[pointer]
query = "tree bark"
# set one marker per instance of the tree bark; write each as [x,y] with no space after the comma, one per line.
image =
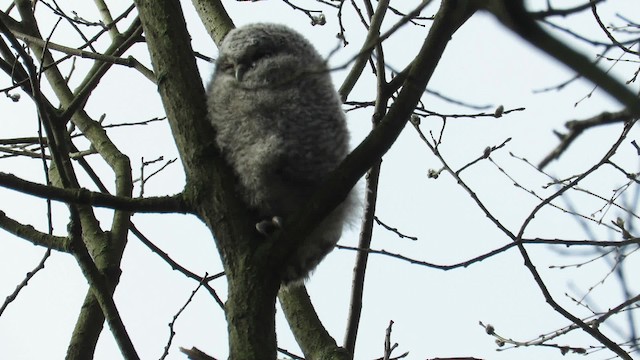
[253,285]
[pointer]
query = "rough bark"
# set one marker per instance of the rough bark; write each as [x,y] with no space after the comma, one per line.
[250,307]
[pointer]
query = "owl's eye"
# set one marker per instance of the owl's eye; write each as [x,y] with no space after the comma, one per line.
[257,56]
[262,54]
[226,67]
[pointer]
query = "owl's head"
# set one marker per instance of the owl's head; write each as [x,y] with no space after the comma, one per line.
[266,54]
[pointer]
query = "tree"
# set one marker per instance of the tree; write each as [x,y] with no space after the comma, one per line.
[67,137]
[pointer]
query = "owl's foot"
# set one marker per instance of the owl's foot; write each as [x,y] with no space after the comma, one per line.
[269,226]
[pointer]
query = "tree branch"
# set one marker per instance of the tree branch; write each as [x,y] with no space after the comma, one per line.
[165,204]
[250,307]
[513,15]
[214,17]
[373,176]
[593,331]
[577,127]
[313,338]
[24,282]
[372,39]
[28,232]
[102,288]
[32,40]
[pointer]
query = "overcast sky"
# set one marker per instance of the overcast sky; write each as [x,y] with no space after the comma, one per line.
[436,313]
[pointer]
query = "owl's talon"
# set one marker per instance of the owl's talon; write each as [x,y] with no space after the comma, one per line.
[269,226]
[277,222]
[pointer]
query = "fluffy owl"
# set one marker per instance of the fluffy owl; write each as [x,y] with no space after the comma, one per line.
[280,125]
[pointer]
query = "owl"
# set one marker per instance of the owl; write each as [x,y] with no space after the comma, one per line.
[280,125]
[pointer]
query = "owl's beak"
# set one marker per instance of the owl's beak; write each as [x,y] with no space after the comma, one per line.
[240,69]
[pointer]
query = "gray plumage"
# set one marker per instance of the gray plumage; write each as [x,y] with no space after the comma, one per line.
[280,125]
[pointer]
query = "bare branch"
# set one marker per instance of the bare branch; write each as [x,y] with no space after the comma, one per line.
[513,15]
[538,15]
[100,288]
[172,332]
[175,203]
[577,127]
[614,41]
[312,337]
[611,345]
[491,254]
[175,266]
[24,282]
[27,232]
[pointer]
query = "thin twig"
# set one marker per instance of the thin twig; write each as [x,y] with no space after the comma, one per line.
[25,282]
[172,331]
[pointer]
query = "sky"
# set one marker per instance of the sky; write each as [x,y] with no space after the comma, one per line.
[435,313]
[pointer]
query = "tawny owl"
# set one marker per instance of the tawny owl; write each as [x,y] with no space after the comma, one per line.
[280,125]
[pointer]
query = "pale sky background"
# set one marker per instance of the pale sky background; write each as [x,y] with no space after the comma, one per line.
[436,313]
